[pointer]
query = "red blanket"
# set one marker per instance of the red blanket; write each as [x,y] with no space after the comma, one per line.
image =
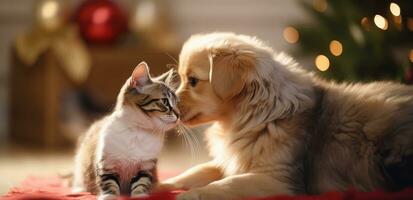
[54,188]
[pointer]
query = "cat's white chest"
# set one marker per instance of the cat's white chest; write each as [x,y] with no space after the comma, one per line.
[132,146]
[124,147]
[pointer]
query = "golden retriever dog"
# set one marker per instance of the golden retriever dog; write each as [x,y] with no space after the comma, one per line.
[278,129]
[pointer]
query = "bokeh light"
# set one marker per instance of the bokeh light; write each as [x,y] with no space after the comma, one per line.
[336,48]
[381,22]
[357,33]
[395,9]
[365,23]
[291,34]
[49,9]
[145,15]
[320,5]
[101,15]
[322,63]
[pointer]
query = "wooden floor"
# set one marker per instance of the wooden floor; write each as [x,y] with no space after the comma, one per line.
[17,162]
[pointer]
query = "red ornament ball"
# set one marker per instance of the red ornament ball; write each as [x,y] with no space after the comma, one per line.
[100,21]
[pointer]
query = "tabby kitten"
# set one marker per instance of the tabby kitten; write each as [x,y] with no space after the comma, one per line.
[118,154]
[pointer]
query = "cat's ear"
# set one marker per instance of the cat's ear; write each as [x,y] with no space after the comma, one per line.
[170,78]
[140,75]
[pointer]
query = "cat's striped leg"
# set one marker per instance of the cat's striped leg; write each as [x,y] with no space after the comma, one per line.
[141,184]
[109,186]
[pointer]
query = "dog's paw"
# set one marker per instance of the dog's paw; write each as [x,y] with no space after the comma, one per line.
[201,194]
[107,197]
[190,195]
[162,187]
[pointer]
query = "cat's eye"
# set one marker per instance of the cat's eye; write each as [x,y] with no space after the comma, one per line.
[193,81]
[164,101]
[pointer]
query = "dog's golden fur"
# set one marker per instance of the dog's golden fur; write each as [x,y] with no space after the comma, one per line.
[280,130]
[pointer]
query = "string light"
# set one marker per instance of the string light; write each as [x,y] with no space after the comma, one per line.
[322,63]
[395,9]
[336,48]
[380,22]
[320,5]
[411,56]
[291,34]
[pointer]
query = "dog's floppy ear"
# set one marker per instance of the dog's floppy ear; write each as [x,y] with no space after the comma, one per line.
[230,70]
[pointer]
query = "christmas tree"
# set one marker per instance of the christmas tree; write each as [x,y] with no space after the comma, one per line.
[357,40]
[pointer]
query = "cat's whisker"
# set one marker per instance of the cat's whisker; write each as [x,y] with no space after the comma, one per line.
[195,136]
[192,140]
[164,129]
[185,139]
[181,133]
[173,58]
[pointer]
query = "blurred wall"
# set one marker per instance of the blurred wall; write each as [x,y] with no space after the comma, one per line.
[264,18]
[15,16]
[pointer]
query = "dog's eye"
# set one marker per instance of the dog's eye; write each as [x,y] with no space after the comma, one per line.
[193,81]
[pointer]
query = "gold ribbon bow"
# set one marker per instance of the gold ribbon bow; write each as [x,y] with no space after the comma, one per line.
[51,33]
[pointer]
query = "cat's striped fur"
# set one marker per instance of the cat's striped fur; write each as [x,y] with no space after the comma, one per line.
[117,156]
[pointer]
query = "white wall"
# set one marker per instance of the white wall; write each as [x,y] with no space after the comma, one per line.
[263,18]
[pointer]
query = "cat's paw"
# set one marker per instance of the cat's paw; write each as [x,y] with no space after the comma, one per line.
[139,192]
[142,186]
[107,197]
[139,195]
